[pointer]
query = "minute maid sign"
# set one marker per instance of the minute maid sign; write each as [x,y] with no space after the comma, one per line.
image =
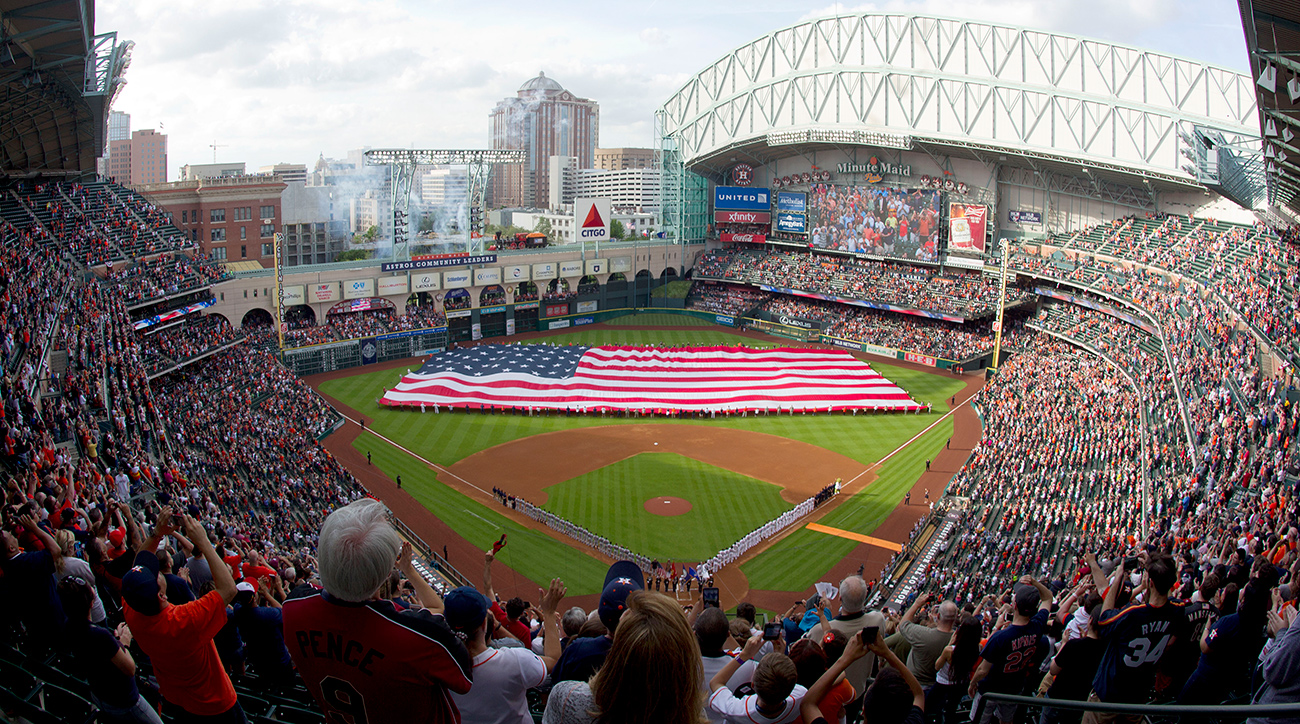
[876,170]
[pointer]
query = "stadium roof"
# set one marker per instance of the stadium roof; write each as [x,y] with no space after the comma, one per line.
[1273,38]
[1014,95]
[57,81]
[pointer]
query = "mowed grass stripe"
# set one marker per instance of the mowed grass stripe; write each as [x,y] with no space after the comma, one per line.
[611,502]
[532,553]
[658,319]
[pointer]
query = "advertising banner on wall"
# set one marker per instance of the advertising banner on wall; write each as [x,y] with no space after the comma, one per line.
[392,285]
[515,273]
[438,261]
[484,277]
[570,268]
[557,310]
[792,223]
[1024,217]
[966,225]
[459,279]
[293,295]
[620,264]
[358,288]
[327,292]
[369,351]
[544,271]
[747,238]
[591,219]
[431,282]
[597,266]
[742,199]
[919,358]
[742,217]
[585,307]
[792,201]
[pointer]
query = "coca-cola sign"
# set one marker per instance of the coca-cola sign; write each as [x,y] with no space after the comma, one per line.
[747,238]
[742,217]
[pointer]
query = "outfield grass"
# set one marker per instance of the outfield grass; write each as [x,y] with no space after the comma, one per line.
[658,319]
[447,438]
[610,502]
[795,562]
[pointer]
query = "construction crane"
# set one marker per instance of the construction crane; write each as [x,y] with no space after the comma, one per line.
[214,146]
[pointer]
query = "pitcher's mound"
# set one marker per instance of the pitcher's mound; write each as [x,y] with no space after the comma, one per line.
[667,506]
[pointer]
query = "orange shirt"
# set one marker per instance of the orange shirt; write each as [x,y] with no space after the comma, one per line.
[833,703]
[185,661]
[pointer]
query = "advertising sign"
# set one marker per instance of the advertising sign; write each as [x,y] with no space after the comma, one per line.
[544,271]
[499,309]
[742,217]
[793,223]
[476,331]
[792,201]
[510,327]
[459,279]
[591,218]
[725,319]
[426,282]
[966,223]
[742,199]
[1025,217]
[515,273]
[570,268]
[392,285]
[293,295]
[620,264]
[526,305]
[358,288]
[327,292]
[486,276]
[789,321]
[557,324]
[557,310]
[458,313]
[882,351]
[436,262]
[597,266]
[579,321]
[874,171]
[591,306]
[919,358]
[748,238]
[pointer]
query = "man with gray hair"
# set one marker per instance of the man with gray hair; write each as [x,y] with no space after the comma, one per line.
[852,619]
[362,659]
[927,643]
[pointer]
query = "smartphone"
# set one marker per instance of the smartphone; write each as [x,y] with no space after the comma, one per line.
[710,596]
[868,635]
[771,631]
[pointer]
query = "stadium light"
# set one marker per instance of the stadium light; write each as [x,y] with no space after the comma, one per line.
[885,140]
[787,138]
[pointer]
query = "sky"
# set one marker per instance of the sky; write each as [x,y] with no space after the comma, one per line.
[271,81]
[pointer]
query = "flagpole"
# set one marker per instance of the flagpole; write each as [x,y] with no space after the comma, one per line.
[1002,305]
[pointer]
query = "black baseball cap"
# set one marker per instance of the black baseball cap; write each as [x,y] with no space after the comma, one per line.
[140,584]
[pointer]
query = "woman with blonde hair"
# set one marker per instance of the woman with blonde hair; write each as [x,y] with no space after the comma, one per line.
[651,675]
[70,565]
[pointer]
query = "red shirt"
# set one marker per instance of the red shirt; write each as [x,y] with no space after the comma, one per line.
[516,629]
[185,661]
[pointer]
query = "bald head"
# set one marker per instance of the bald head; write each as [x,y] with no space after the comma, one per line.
[947,615]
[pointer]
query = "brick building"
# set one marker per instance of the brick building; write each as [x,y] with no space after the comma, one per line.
[545,120]
[138,160]
[234,218]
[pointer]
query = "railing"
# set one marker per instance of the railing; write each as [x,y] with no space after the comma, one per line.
[425,550]
[1151,712]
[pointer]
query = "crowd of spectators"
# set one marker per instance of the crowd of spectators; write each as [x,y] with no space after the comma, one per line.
[903,223]
[353,325]
[730,299]
[184,341]
[969,295]
[163,276]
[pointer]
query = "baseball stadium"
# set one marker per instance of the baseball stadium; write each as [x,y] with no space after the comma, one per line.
[983,336]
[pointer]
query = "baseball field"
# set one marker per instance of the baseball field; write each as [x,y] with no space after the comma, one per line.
[678,490]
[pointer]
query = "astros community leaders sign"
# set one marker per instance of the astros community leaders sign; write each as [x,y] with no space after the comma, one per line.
[437,262]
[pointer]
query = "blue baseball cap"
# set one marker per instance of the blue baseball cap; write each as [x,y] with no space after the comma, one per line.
[140,584]
[623,578]
[465,608]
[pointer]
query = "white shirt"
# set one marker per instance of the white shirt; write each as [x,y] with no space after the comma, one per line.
[712,665]
[745,709]
[502,678]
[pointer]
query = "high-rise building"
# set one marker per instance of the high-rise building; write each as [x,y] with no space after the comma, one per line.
[119,126]
[140,159]
[545,120]
[288,172]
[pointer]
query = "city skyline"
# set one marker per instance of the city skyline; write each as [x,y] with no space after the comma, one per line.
[311,78]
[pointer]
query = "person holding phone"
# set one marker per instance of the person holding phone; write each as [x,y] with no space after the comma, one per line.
[896,697]
[1014,652]
[776,694]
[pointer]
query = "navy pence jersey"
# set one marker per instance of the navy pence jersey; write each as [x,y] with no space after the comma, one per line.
[1137,639]
[368,663]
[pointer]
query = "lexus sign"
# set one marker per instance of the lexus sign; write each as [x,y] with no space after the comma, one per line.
[742,217]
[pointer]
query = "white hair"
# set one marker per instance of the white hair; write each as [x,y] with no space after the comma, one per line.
[853,594]
[357,549]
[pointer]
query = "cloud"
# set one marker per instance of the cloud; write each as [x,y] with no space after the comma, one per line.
[653,36]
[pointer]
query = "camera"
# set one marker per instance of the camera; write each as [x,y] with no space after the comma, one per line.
[771,631]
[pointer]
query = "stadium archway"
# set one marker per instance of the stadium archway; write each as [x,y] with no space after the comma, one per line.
[642,284]
[588,285]
[257,318]
[558,289]
[299,316]
[492,312]
[420,299]
[492,295]
[525,292]
[458,303]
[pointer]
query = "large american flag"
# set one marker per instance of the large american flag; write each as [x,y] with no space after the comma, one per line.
[649,379]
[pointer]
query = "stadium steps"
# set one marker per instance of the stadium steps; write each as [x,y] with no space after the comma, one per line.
[94,217]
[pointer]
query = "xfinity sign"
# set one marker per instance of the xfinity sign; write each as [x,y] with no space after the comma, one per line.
[742,199]
[591,219]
